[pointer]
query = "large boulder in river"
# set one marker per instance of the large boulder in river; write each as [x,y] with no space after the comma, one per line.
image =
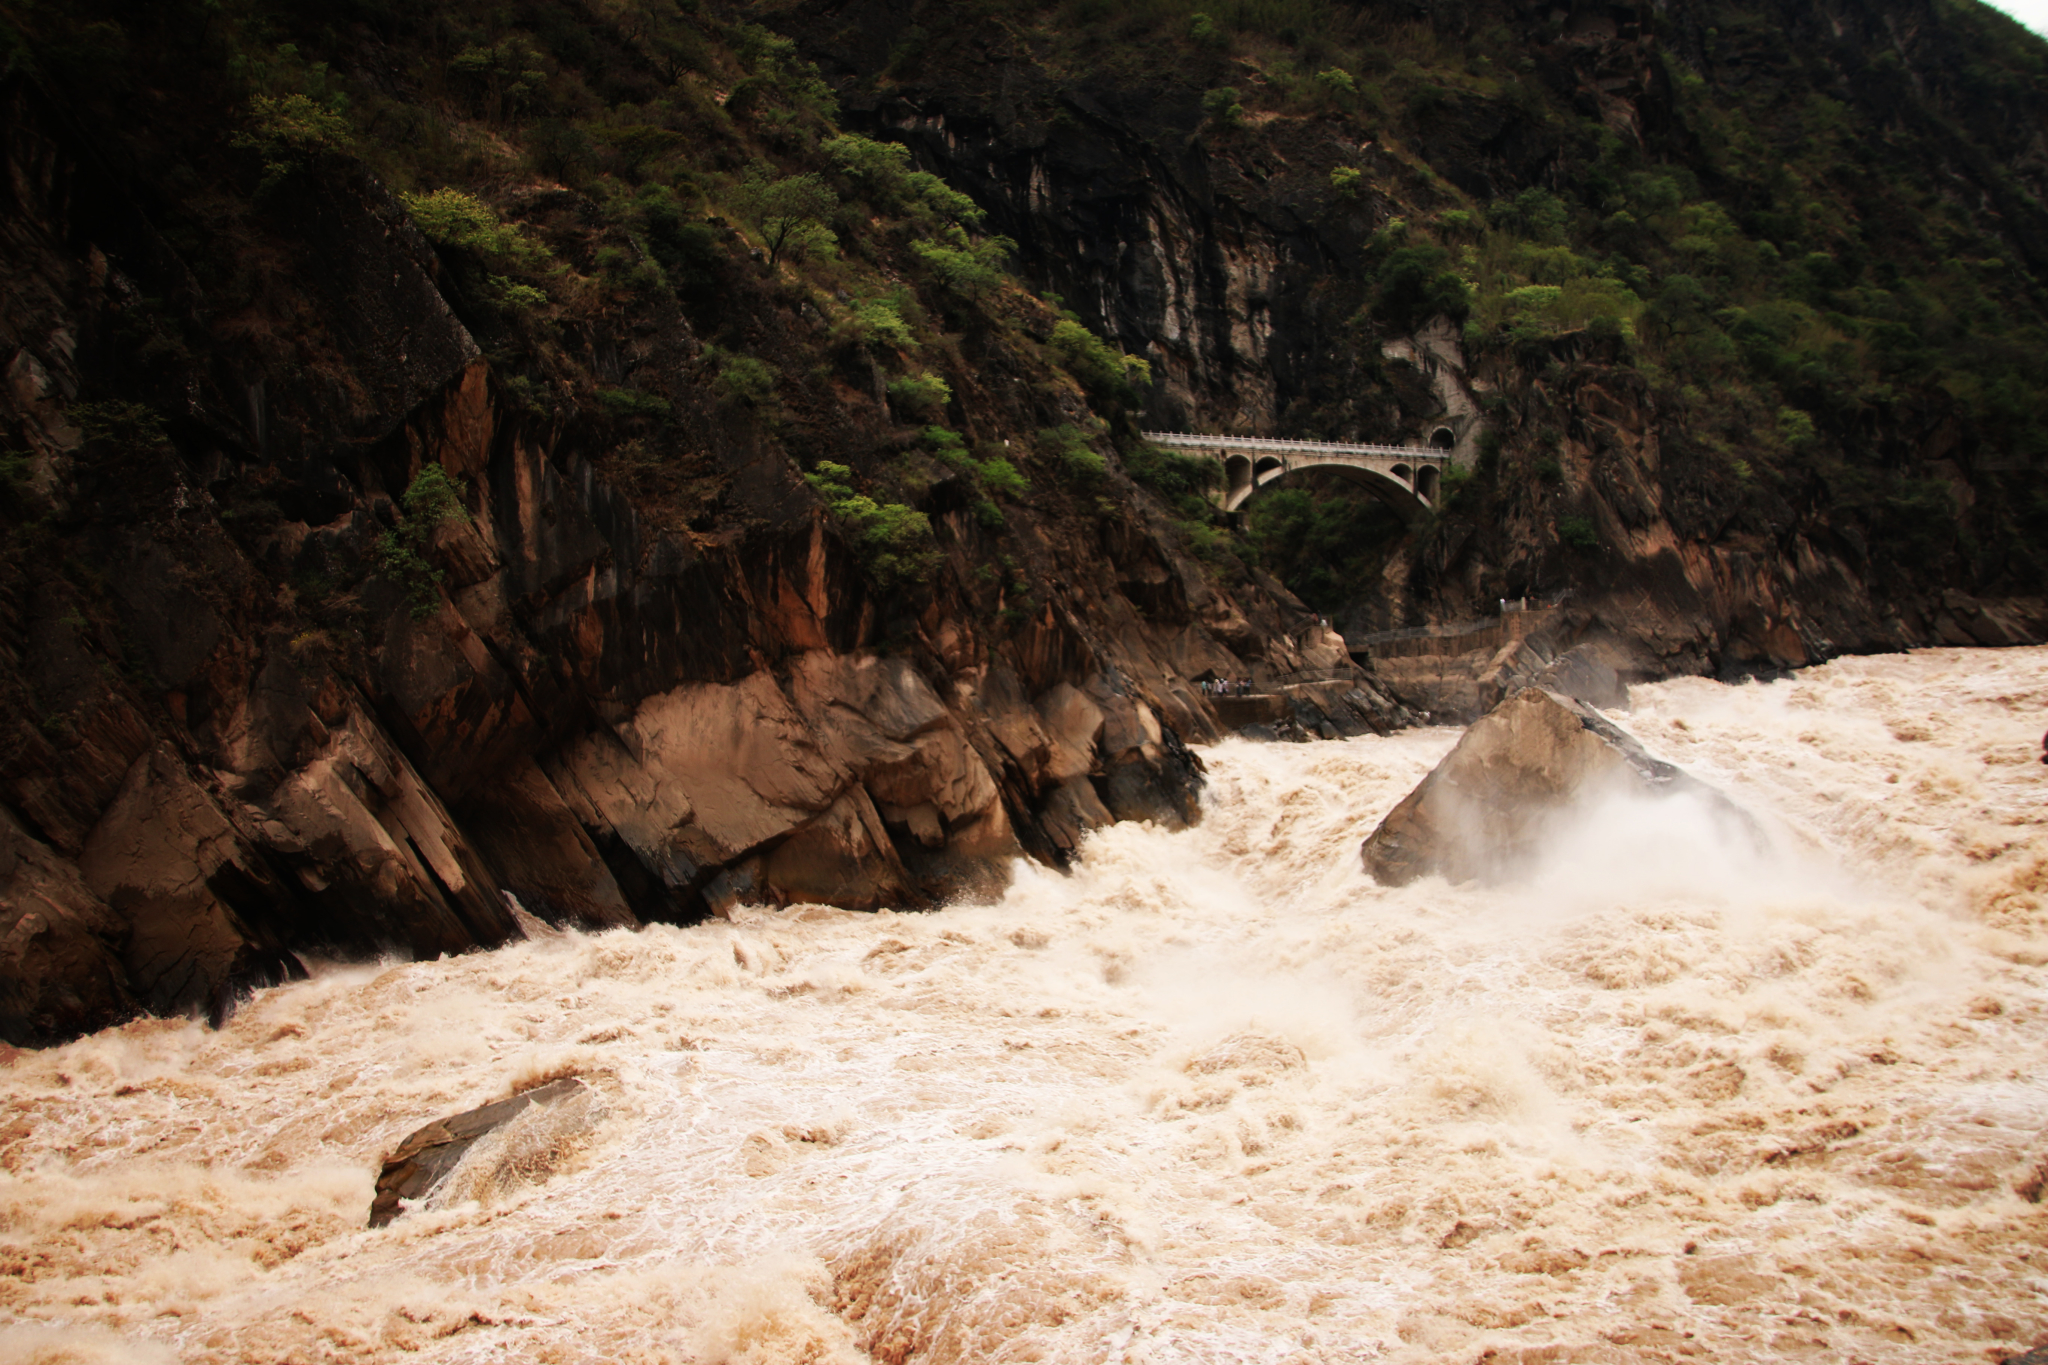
[1484,811]
[428,1157]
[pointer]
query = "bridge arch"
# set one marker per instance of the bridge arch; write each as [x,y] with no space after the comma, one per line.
[1400,494]
[1428,483]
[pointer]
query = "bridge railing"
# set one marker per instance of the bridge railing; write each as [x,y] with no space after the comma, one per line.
[1193,438]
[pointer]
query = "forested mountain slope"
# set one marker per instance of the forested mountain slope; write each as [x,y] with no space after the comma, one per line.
[1739,307]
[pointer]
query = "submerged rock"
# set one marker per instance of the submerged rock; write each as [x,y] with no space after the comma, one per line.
[1483,812]
[426,1158]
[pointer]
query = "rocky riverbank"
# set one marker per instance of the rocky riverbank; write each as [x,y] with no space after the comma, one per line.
[241,727]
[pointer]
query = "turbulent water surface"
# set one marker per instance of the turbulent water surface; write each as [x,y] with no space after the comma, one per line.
[1214,1097]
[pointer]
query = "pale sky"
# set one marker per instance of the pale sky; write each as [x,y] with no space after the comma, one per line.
[2032,13]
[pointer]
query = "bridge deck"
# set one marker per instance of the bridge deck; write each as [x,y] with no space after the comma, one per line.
[1286,447]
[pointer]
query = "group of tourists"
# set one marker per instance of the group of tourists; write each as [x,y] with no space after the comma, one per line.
[1226,687]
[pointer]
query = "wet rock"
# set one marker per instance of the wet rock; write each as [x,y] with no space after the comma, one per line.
[1258,709]
[941,770]
[1349,709]
[192,894]
[1579,673]
[60,964]
[379,858]
[1014,723]
[1163,789]
[844,857]
[543,853]
[1072,723]
[1071,812]
[702,775]
[424,1159]
[1484,811]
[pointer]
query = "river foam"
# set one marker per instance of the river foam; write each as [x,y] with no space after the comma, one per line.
[1213,1097]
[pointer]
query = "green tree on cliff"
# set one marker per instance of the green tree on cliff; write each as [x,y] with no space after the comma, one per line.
[789,211]
[430,500]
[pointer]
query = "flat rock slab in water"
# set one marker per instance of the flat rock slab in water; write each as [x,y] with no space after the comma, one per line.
[429,1154]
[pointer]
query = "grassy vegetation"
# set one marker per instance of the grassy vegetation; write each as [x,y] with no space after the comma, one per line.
[894,540]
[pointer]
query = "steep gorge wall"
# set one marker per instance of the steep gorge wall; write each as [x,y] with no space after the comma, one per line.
[1221,255]
[229,738]
[650,685]
[1693,570]
[1217,252]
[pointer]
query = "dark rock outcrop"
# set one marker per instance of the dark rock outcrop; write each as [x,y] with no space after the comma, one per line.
[1581,674]
[1484,811]
[60,961]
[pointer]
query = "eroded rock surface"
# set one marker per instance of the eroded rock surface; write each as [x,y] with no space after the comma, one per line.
[1484,811]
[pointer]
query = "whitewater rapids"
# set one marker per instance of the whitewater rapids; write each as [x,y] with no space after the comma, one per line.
[1215,1097]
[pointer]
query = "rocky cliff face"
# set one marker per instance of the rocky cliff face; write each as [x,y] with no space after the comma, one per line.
[235,733]
[1682,567]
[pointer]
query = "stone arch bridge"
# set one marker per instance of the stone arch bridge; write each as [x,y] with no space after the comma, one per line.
[1409,477]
